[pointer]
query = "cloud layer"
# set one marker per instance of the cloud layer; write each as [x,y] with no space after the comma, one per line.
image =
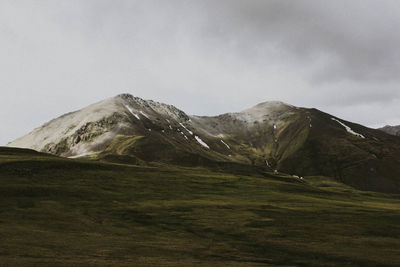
[205,57]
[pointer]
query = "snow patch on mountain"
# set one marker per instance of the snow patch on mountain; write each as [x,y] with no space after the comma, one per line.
[348,129]
[133,113]
[222,141]
[184,135]
[181,124]
[144,114]
[201,142]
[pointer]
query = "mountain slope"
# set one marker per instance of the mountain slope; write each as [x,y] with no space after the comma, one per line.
[393,130]
[271,135]
[366,159]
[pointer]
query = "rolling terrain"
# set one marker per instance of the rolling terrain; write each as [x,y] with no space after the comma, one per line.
[270,135]
[58,211]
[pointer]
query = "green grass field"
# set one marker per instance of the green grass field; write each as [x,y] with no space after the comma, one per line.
[68,212]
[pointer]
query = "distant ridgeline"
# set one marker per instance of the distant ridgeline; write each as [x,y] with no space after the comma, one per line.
[393,130]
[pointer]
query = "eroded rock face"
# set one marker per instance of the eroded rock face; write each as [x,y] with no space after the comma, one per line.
[84,137]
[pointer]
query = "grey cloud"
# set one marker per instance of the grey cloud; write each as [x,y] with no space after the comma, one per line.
[356,40]
[204,56]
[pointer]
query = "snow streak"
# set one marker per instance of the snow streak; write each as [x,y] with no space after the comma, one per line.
[348,129]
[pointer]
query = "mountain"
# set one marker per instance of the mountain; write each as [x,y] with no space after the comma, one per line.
[271,135]
[393,130]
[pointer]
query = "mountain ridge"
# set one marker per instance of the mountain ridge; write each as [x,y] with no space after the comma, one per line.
[272,135]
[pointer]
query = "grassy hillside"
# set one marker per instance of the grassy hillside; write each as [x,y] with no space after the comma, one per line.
[56,211]
[370,163]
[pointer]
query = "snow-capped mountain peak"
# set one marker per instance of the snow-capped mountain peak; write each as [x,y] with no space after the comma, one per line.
[298,140]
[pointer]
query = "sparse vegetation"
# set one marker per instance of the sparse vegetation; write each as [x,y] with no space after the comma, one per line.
[56,211]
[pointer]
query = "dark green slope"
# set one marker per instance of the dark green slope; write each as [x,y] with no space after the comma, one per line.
[370,163]
[306,142]
[63,212]
[309,142]
[19,153]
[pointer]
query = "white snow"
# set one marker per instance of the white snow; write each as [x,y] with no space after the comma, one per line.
[222,141]
[201,142]
[141,112]
[184,135]
[186,128]
[348,129]
[170,127]
[274,126]
[62,127]
[264,111]
[133,113]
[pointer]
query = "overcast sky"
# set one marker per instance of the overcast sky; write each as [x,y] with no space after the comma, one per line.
[205,57]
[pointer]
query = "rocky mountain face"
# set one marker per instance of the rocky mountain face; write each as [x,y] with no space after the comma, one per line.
[271,135]
[393,130]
